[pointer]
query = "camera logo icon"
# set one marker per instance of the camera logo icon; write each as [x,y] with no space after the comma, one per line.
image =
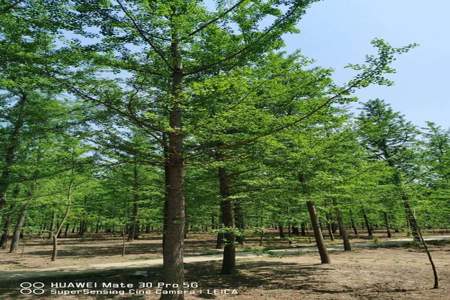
[28,288]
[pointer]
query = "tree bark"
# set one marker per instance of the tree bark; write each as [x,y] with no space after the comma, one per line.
[66,230]
[386,223]
[229,251]
[52,225]
[366,222]
[19,224]
[173,268]
[64,218]
[133,233]
[303,229]
[329,227]
[343,231]
[324,257]
[7,216]
[355,230]
[281,231]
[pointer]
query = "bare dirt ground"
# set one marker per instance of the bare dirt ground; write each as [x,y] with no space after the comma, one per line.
[396,273]
[35,254]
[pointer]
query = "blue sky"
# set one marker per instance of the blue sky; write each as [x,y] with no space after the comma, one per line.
[338,32]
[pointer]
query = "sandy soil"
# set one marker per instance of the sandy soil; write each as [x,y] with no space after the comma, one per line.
[35,254]
[362,274]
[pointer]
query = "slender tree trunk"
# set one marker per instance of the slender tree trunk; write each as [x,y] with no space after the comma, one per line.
[133,233]
[229,252]
[405,199]
[355,230]
[343,231]
[324,257]
[53,225]
[295,230]
[123,240]
[329,227]
[57,230]
[66,230]
[386,223]
[6,224]
[281,231]
[5,234]
[213,222]
[366,222]
[303,228]
[19,224]
[430,258]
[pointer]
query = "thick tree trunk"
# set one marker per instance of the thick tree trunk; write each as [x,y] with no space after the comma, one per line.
[173,268]
[367,223]
[386,223]
[229,252]
[324,257]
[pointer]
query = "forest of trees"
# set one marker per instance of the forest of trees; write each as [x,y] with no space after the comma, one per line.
[130,117]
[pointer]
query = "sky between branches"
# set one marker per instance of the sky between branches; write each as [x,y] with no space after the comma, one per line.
[337,32]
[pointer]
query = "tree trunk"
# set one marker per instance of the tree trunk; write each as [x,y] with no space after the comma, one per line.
[123,240]
[53,225]
[355,231]
[173,268]
[133,233]
[329,227]
[229,252]
[325,259]
[303,228]
[386,223]
[6,224]
[66,230]
[343,231]
[57,231]
[281,231]
[295,230]
[366,222]
[19,224]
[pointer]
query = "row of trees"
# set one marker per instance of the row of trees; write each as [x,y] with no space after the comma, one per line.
[176,115]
